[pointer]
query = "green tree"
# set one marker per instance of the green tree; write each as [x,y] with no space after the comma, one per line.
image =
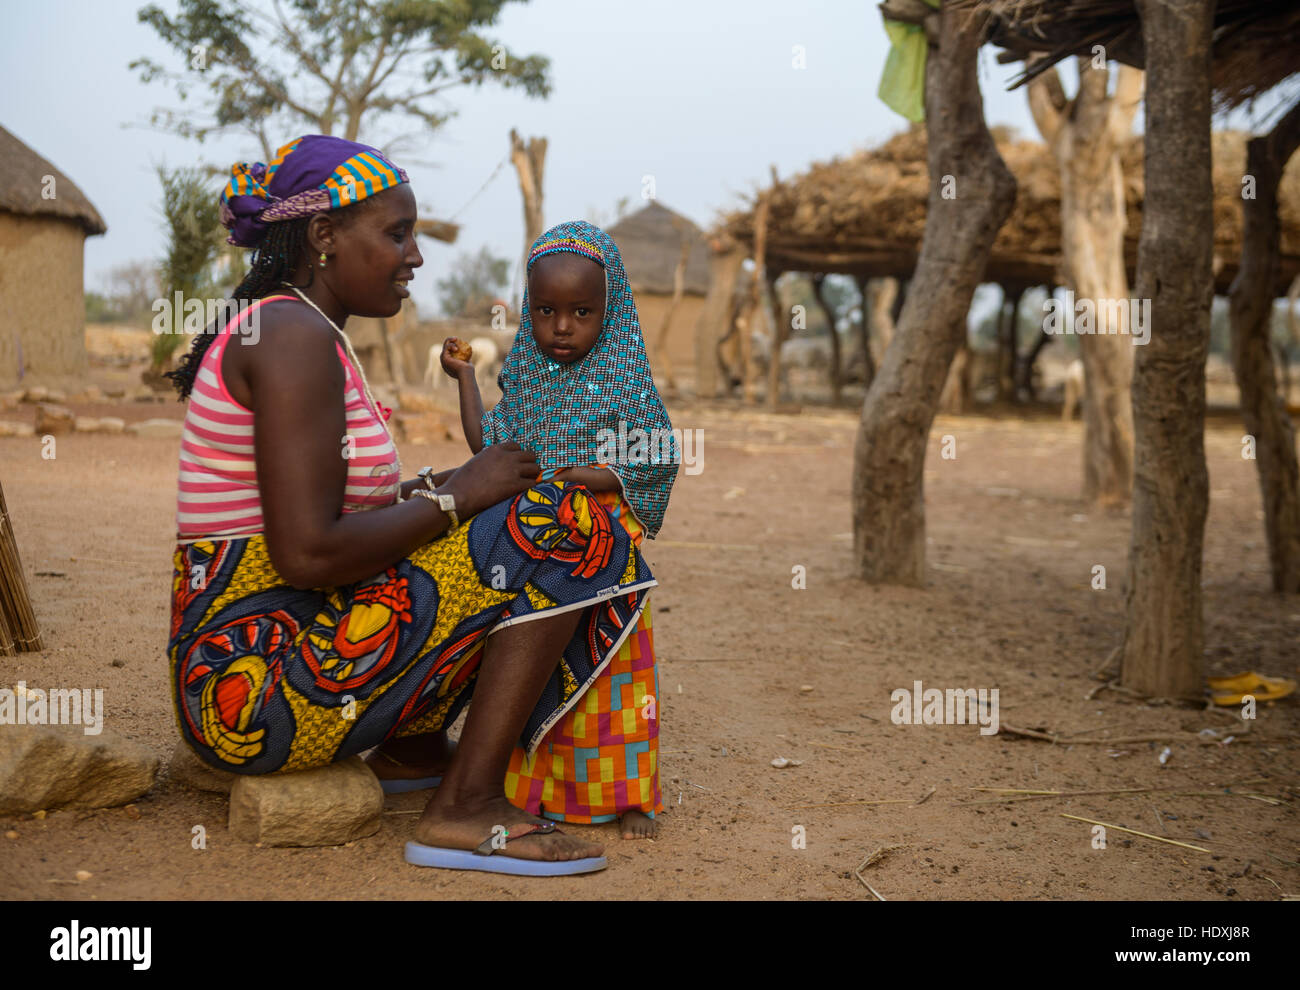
[473,284]
[194,243]
[273,69]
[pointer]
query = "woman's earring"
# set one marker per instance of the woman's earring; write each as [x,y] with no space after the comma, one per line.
[322,259]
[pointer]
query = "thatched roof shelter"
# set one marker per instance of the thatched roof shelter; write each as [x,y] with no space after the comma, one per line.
[22,180]
[1256,42]
[650,242]
[864,215]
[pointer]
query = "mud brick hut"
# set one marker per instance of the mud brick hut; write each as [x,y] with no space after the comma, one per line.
[44,222]
[651,242]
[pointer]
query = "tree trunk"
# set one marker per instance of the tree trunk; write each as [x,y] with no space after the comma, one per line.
[1086,135]
[780,331]
[1164,633]
[864,332]
[955,397]
[819,282]
[716,319]
[1026,380]
[886,296]
[529,161]
[1007,349]
[889,455]
[755,302]
[1250,310]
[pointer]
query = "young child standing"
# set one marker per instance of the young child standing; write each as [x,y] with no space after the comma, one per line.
[578,368]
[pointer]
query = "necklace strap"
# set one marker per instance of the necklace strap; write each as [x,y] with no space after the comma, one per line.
[365,384]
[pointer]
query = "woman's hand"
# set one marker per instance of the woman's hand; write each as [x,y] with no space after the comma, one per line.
[455,358]
[493,475]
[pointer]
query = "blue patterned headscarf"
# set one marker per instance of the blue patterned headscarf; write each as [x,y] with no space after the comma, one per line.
[556,409]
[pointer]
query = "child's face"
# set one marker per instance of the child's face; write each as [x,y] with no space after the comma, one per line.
[566,298]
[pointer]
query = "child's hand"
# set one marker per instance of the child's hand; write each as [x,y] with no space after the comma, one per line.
[455,357]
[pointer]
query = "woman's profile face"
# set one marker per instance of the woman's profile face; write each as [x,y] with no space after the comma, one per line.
[566,299]
[375,254]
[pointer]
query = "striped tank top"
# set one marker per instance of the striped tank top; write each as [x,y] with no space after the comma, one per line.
[217,492]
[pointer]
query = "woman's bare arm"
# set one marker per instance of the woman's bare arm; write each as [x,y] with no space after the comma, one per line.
[297,385]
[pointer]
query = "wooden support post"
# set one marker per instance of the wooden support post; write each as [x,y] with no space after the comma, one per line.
[819,281]
[780,330]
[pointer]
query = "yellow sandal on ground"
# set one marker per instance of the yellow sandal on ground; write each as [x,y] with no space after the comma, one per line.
[1232,690]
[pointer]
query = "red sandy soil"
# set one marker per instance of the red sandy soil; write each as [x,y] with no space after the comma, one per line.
[1008,605]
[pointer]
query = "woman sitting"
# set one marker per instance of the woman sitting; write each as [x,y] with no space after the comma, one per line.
[321,607]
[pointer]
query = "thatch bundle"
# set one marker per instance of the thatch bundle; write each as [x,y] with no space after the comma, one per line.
[1256,42]
[24,187]
[865,214]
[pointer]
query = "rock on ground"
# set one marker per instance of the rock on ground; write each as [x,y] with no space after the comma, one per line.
[157,428]
[51,766]
[186,768]
[53,420]
[327,806]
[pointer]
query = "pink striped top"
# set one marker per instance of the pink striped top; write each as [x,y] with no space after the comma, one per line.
[217,493]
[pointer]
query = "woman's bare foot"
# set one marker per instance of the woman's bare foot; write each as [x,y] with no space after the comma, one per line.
[637,825]
[467,827]
[412,757]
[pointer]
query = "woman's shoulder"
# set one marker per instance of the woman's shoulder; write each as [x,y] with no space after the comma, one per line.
[288,340]
[286,321]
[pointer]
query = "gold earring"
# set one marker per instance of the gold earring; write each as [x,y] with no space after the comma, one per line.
[322,259]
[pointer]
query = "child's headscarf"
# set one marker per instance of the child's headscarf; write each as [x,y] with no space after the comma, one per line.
[556,409]
[313,174]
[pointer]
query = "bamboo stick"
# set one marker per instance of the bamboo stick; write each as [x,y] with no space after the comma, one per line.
[23,630]
[1133,831]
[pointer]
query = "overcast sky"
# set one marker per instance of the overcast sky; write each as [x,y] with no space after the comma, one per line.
[701,95]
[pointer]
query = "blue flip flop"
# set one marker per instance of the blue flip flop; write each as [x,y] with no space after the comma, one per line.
[484,860]
[397,786]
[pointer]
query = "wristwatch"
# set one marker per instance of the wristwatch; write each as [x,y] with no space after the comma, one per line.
[446,502]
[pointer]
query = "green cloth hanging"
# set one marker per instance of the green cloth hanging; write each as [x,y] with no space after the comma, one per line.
[902,85]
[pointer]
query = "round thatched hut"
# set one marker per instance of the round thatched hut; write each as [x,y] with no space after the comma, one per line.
[651,243]
[44,222]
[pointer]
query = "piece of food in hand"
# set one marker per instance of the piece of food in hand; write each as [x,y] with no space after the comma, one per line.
[458,349]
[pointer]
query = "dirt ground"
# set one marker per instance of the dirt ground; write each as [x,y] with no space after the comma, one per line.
[752,669]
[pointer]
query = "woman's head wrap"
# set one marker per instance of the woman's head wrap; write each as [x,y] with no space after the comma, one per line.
[313,174]
[559,410]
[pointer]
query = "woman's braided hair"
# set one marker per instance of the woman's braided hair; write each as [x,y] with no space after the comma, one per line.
[272,265]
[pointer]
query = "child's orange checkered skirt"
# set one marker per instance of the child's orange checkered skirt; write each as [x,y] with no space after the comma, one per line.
[602,758]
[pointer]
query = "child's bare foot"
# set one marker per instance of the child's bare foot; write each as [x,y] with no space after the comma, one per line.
[466,828]
[412,757]
[637,825]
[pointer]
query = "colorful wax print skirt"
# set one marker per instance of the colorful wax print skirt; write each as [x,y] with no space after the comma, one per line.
[268,677]
[602,757]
